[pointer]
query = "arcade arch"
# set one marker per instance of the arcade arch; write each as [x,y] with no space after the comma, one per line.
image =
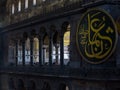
[66,42]
[35,50]
[27,51]
[56,48]
[46,50]
[44,47]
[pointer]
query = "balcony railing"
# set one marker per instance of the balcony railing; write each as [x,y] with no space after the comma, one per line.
[66,72]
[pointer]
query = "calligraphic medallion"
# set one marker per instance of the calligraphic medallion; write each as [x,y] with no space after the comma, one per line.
[96,36]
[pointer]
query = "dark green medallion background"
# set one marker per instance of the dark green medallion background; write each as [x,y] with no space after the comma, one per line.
[96,36]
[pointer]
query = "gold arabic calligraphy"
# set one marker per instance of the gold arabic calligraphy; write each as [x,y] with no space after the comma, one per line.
[95,35]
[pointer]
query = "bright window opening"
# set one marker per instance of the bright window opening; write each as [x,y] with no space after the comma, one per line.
[43,0]
[34,2]
[19,6]
[27,51]
[56,49]
[36,51]
[19,54]
[67,45]
[26,4]
[13,8]
[46,51]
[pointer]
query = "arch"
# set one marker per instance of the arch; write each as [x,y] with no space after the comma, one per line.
[46,86]
[41,36]
[46,49]
[27,51]
[66,41]
[65,26]
[63,87]
[35,50]
[14,6]
[56,48]
[11,52]
[19,52]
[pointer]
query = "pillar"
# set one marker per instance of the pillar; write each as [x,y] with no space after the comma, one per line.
[61,50]
[31,51]
[75,58]
[16,53]
[50,51]
[40,51]
[23,52]
[44,54]
[57,54]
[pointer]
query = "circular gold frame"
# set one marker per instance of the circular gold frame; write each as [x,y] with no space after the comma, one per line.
[116,37]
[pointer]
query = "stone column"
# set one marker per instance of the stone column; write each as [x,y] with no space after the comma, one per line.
[31,51]
[57,54]
[50,51]
[75,58]
[44,52]
[1,49]
[16,53]
[40,51]
[23,52]
[61,50]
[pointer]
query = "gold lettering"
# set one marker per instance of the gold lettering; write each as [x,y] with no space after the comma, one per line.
[96,46]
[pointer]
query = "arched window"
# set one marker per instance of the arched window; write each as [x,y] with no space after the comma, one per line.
[19,52]
[56,49]
[27,51]
[13,8]
[26,4]
[66,45]
[19,6]
[11,52]
[46,50]
[34,2]
[36,50]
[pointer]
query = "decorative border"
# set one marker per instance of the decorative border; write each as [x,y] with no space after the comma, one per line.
[116,37]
